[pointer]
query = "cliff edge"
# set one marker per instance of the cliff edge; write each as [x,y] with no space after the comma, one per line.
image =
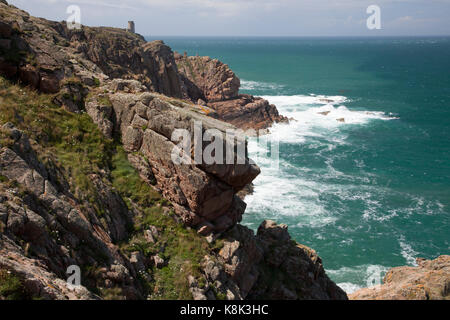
[87,180]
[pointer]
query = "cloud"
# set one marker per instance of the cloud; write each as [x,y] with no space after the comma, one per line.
[254,17]
[405,19]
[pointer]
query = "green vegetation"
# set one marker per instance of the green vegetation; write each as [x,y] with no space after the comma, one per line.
[97,82]
[73,143]
[11,287]
[103,100]
[14,55]
[183,248]
[127,182]
[71,140]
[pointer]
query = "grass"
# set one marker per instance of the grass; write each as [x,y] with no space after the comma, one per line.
[73,143]
[11,286]
[127,182]
[97,82]
[184,248]
[71,140]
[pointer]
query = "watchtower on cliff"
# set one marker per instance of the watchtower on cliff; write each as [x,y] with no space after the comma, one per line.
[131,27]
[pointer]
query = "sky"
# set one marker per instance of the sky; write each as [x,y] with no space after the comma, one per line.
[254,17]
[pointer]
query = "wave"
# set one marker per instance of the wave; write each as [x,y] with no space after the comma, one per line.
[362,276]
[407,252]
[318,116]
[283,101]
[255,85]
[316,196]
[295,197]
[323,110]
[299,191]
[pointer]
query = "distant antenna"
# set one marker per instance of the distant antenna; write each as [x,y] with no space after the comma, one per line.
[131,27]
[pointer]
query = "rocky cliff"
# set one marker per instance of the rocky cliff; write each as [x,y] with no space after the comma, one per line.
[430,280]
[212,83]
[87,178]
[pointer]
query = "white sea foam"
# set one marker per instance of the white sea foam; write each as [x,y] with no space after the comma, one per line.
[288,196]
[255,85]
[316,126]
[407,251]
[319,117]
[349,287]
[367,275]
[295,100]
[321,123]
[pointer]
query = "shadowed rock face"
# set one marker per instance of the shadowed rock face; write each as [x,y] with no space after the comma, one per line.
[430,280]
[272,266]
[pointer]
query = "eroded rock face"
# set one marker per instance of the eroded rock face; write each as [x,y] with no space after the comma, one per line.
[48,217]
[247,112]
[127,55]
[43,53]
[430,280]
[204,195]
[209,81]
[272,266]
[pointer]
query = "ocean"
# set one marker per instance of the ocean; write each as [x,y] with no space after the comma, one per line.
[363,175]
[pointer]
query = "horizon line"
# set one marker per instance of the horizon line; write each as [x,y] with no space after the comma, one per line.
[298,36]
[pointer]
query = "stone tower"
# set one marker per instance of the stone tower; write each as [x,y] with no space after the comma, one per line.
[131,27]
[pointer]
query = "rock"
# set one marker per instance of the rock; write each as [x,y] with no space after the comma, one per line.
[101,115]
[205,228]
[289,260]
[72,96]
[210,80]
[5,44]
[200,193]
[430,280]
[151,235]
[29,75]
[151,63]
[198,294]
[45,218]
[270,230]
[158,262]
[138,261]
[130,86]
[49,220]
[5,30]
[49,84]
[340,120]
[215,80]
[247,112]
[7,69]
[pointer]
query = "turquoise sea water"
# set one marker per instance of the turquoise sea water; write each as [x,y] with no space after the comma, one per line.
[369,193]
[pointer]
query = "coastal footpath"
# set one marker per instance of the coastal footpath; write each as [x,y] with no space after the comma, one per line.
[86,177]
